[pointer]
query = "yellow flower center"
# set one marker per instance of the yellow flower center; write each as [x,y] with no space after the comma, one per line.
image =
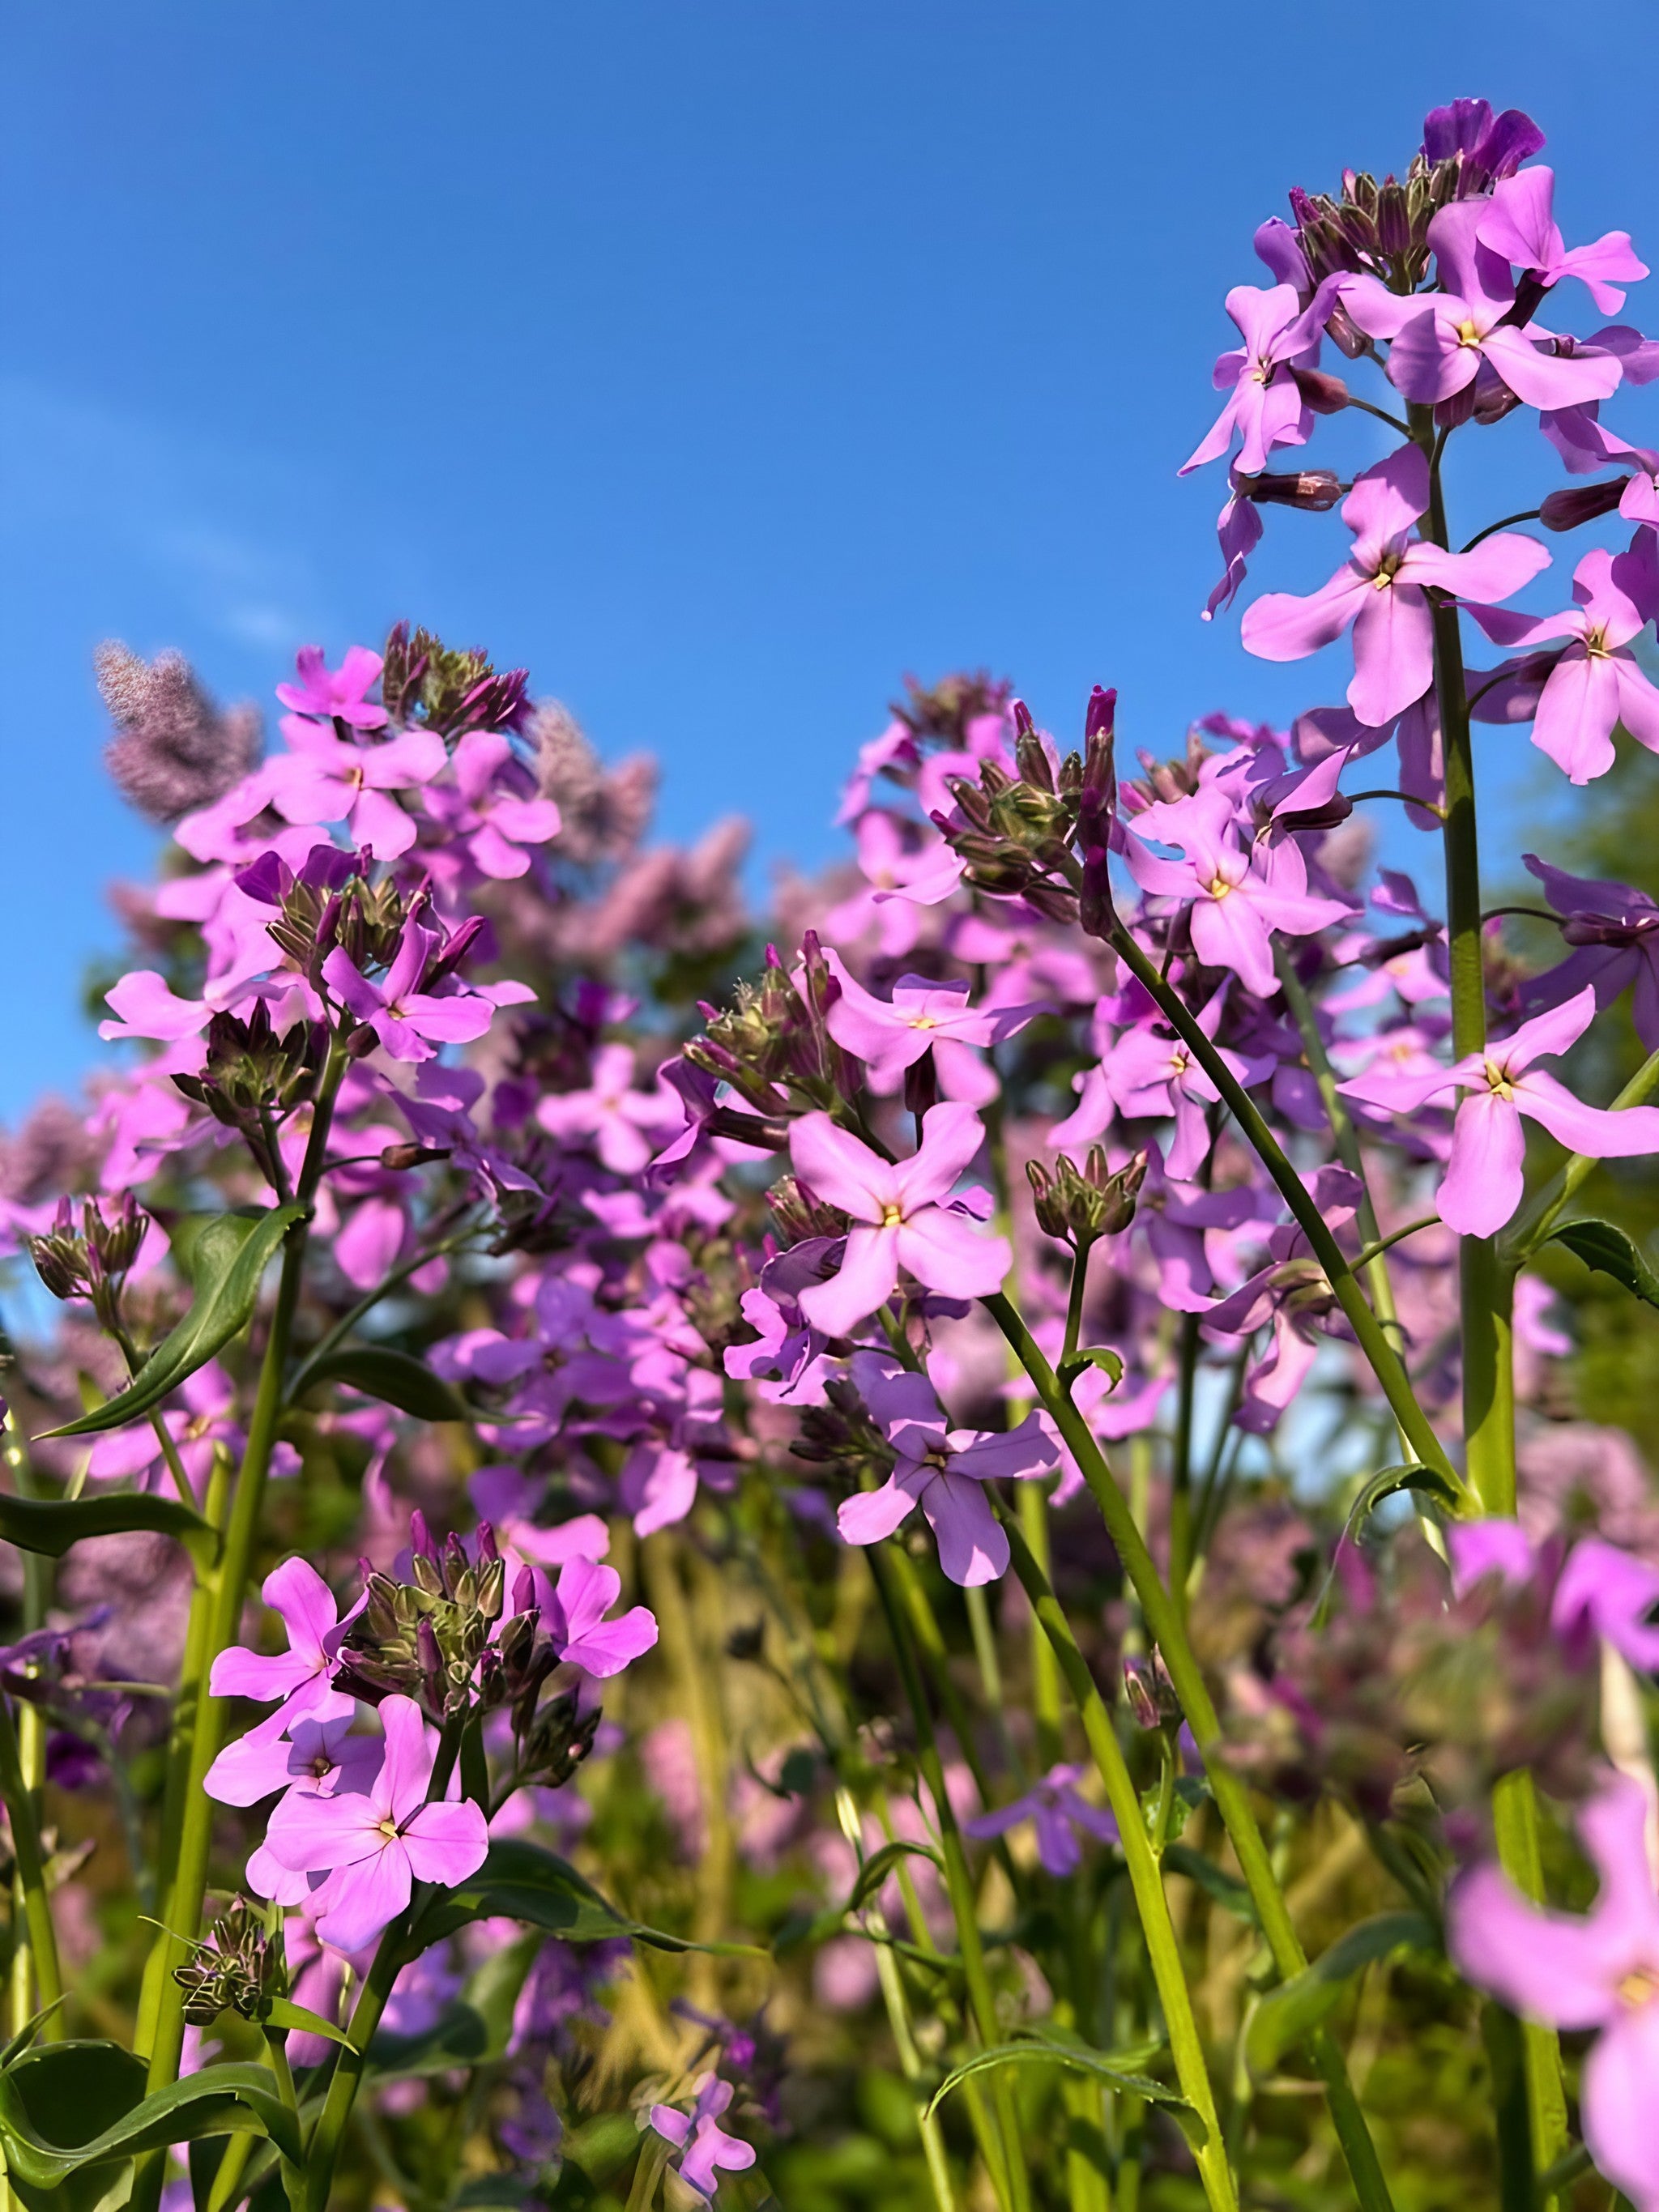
[1499,1077]
[1219,887]
[389,1830]
[1467,334]
[891,1216]
[1639,1989]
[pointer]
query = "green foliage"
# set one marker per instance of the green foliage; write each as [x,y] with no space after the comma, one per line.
[229,1260]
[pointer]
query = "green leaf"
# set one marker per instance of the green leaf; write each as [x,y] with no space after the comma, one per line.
[1292,2011]
[1093,1355]
[229,1258]
[1227,1890]
[49,1525]
[1387,1482]
[78,2109]
[879,1864]
[521,1881]
[281,2012]
[397,1379]
[1609,1252]
[1105,2066]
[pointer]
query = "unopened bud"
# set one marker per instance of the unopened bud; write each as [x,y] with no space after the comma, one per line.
[1314,491]
[1149,1692]
[1322,392]
[1575,503]
[412,1156]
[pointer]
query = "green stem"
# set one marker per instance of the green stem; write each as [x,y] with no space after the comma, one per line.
[352,2057]
[1032,1507]
[31,1874]
[301,1382]
[31,1726]
[1146,1879]
[1167,1631]
[958,1885]
[1180,1465]
[277,2059]
[224,1621]
[1368,1334]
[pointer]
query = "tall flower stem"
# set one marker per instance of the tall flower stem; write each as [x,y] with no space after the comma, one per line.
[1167,1630]
[1146,1876]
[352,2056]
[1485,1285]
[1383,1360]
[31,1763]
[958,1884]
[31,1879]
[229,1589]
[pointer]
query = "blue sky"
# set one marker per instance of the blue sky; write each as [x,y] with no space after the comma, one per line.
[718,358]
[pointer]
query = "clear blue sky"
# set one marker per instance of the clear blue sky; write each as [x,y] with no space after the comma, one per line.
[718,358]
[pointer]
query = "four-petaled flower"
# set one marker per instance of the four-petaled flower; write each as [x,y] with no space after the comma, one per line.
[1483,1181]
[376,1843]
[941,1469]
[899,1215]
[1596,682]
[1267,408]
[893,1034]
[1059,1811]
[708,2148]
[335,693]
[1381,590]
[409,1023]
[300,1676]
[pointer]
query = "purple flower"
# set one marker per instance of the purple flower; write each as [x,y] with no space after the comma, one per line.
[624,1123]
[322,780]
[1238,892]
[411,1024]
[317,1756]
[1483,145]
[708,2148]
[335,693]
[892,1035]
[1380,589]
[1149,1074]
[574,1613]
[376,1845]
[1598,1970]
[1442,340]
[1519,224]
[1614,932]
[1596,682]
[1484,1182]
[1267,409]
[1059,1812]
[1600,1591]
[899,1214]
[902,873]
[941,1469]
[302,1675]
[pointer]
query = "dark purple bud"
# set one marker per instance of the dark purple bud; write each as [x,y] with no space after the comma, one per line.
[1023,726]
[1101,717]
[397,1157]
[1575,503]
[420,1536]
[269,880]
[1314,491]
[1322,392]
[488,1550]
[457,949]
[523,1591]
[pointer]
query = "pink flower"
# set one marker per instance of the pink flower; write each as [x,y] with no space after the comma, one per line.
[1380,591]
[893,1034]
[941,1469]
[493,820]
[409,1023]
[1266,407]
[623,1123]
[1239,891]
[377,1844]
[1596,682]
[300,1676]
[1519,224]
[1059,1812]
[335,693]
[147,1006]
[574,1613]
[900,1216]
[317,1756]
[1440,340]
[708,2148]
[1597,1970]
[1484,1180]
[322,780]
[903,872]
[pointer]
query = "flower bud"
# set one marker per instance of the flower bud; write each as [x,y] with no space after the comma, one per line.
[1322,392]
[1314,491]
[1575,503]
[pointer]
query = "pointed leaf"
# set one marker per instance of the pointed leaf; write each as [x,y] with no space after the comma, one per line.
[49,1525]
[1296,2007]
[1609,1252]
[1105,2066]
[397,1379]
[1092,1355]
[280,2012]
[66,2108]
[229,1258]
[1227,1890]
[521,1881]
[879,1864]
